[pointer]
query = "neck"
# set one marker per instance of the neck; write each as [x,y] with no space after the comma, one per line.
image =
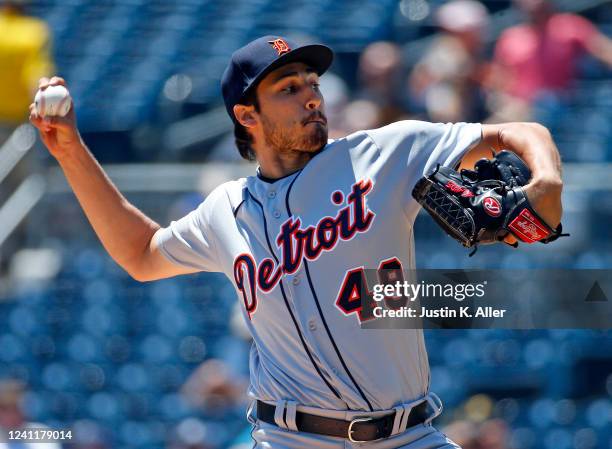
[274,164]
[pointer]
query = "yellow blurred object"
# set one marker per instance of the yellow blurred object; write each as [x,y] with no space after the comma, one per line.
[24,58]
[479,408]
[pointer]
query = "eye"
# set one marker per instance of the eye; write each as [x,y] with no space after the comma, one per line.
[316,86]
[290,89]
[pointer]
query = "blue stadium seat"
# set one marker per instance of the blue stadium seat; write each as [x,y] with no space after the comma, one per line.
[558,438]
[156,348]
[58,376]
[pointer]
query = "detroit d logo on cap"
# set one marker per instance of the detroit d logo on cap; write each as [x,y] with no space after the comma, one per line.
[280,46]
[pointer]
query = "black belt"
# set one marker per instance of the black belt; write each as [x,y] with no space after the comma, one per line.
[357,430]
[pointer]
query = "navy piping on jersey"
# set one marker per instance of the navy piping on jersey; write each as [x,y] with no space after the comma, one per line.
[297,328]
[238,208]
[253,438]
[316,299]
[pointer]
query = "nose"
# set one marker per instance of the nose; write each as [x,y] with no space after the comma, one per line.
[314,101]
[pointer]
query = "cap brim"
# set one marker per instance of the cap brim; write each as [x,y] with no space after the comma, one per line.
[317,56]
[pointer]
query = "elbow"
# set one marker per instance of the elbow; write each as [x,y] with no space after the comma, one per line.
[139,267]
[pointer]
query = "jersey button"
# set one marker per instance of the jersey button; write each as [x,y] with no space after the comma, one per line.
[296,280]
[276,214]
[271,194]
[312,325]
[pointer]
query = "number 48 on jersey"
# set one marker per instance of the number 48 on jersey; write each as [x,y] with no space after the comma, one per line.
[356,295]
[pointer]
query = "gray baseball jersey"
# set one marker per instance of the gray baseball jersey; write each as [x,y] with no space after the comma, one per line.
[295,249]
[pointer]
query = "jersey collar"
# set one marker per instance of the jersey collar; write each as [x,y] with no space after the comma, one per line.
[273,180]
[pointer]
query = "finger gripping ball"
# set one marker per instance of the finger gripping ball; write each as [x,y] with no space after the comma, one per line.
[53,101]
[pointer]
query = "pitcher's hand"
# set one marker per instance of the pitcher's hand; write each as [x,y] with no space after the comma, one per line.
[59,134]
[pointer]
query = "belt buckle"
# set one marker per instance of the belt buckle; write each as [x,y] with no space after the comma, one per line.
[350,429]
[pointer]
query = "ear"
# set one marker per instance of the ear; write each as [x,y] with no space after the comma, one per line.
[245,115]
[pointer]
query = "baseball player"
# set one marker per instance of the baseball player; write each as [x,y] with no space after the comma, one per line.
[295,238]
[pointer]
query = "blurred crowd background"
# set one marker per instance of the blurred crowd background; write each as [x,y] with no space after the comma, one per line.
[164,364]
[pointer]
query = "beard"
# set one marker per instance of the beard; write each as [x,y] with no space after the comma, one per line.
[305,139]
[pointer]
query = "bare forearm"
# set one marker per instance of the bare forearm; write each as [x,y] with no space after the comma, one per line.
[601,48]
[124,231]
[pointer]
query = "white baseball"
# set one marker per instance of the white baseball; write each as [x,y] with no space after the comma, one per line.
[53,101]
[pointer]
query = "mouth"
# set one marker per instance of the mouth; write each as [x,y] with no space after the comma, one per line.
[320,121]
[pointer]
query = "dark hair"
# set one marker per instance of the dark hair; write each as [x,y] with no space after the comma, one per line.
[243,138]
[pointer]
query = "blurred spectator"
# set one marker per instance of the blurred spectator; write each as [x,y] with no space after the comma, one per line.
[379,74]
[464,433]
[12,417]
[24,58]
[362,114]
[477,429]
[540,56]
[493,434]
[336,94]
[490,434]
[446,82]
[215,389]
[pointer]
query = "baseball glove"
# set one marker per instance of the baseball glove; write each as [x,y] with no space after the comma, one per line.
[483,205]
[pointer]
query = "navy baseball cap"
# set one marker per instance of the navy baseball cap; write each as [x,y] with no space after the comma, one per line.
[251,63]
